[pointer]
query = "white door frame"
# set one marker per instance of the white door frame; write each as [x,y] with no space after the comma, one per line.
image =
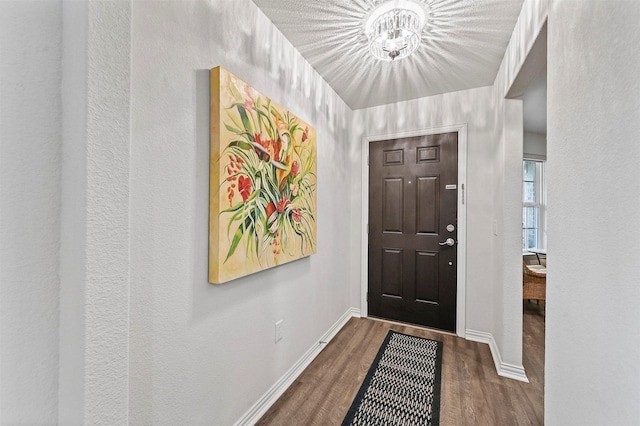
[462,215]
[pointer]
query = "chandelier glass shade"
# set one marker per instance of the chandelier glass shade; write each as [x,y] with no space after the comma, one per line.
[394,29]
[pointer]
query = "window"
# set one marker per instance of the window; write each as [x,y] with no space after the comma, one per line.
[533,205]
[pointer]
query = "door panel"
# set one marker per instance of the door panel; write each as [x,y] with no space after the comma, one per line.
[392,272]
[394,157]
[393,205]
[428,154]
[427,274]
[411,277]
[427,205]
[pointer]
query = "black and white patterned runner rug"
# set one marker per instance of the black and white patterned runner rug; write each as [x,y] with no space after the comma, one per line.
[402,386]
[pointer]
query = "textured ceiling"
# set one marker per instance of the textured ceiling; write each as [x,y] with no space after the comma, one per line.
[462,46]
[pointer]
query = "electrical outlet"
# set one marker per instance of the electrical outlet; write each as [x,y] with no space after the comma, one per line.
[278,331]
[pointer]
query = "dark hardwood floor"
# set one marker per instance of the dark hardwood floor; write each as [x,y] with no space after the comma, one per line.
[472,392]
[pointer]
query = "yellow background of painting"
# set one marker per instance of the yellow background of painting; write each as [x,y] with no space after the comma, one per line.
[238,265]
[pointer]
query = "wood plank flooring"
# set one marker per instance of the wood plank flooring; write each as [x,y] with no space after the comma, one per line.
[472,392]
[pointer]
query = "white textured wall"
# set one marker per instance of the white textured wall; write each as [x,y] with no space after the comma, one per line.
[507,164]
[94,258]
[535,146]
[30,72]
[592,372]
[506,289]
[474,107]
[203,354]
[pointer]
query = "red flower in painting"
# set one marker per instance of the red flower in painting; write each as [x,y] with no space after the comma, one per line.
[268,148]
[296,215]
[295,168]
[305,134]
[244,187]
[275,149]
[262,154]
[283,203]
[271,208]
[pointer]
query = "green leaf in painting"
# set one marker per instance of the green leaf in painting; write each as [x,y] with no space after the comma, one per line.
[232,129]
[242,145]
[264,118]
[240,232]
[233,118]
[232,209]
[245,119]
[236,239]
[234,90]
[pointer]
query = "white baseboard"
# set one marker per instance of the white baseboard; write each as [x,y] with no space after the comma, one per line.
[503,369]
[271,396]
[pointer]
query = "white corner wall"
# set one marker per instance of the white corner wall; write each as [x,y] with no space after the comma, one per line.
[535,146]
[475,108]
[94,257]
[592,372]
[30,127]
[199,353]
[507,163]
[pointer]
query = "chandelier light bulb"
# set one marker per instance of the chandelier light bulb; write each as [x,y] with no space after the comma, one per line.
[394,29]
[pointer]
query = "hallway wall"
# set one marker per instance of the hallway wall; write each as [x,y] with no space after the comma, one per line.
[535,146]
[30,144]
[197,351]
[592,372]
[475,108]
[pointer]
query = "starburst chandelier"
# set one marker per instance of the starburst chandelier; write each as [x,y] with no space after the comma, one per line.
[394,29]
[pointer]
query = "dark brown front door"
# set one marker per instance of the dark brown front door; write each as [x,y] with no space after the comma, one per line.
[412,210]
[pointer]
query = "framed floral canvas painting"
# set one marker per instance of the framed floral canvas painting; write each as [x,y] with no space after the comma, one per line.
[262,205]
